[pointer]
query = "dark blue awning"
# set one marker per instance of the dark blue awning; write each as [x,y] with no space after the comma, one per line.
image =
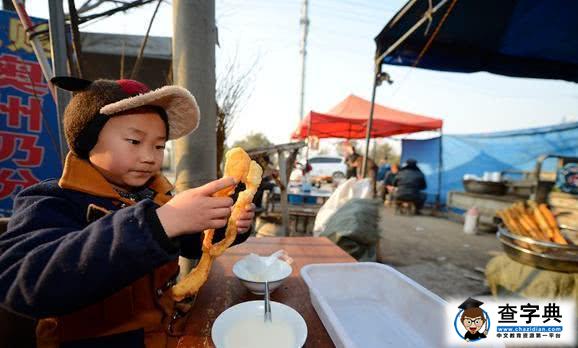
[523,38]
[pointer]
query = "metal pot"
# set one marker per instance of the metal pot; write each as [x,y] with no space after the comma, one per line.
[485,187]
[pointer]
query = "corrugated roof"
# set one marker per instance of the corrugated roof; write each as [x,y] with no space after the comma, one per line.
[112,44]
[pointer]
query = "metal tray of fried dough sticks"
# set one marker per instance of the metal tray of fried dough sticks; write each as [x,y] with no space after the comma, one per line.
[541,254]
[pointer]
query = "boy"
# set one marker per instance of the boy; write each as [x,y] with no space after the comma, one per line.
[93,255]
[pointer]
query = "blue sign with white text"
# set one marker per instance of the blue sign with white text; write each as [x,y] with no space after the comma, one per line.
[29,150]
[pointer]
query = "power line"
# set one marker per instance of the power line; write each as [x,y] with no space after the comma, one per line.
[372,13]
[355,6]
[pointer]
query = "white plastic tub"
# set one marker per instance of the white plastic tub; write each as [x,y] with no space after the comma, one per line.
[369,305]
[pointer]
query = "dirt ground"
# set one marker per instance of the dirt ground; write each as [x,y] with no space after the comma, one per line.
[433,251]
[436,253]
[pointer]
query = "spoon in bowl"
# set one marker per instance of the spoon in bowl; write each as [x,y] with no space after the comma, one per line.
[268,317]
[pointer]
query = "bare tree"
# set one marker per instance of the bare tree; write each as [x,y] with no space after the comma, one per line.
[90,5]
[118,6]
[232,92]
[74,53]
[382,152]
[140,56]
[253,141]
[75,39]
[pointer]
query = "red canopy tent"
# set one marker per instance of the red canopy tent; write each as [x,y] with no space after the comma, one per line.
[349,120]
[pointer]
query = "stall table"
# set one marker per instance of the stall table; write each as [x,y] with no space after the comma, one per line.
[486,204]
[303,214]
[224,290]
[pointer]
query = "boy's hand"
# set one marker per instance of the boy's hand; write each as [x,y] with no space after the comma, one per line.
[246,219]
[196,210]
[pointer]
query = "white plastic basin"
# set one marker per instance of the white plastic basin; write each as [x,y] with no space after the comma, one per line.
[368,304]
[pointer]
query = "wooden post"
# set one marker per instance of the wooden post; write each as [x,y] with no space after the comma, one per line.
[284,200]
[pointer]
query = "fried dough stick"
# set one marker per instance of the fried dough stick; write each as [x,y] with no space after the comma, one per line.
[238,165]
[552,223]
[245,198]
[536,221]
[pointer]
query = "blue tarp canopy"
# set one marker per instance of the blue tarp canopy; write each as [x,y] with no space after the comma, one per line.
[490,152]
[523,38]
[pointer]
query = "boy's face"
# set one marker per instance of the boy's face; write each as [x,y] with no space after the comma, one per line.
[130,149]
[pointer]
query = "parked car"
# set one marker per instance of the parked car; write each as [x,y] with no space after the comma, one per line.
[328,166]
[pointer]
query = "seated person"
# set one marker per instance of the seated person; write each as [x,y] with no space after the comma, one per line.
[384,168]
[409,183]
[388,182]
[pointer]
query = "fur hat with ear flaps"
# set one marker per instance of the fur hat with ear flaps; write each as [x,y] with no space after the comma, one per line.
[94,102]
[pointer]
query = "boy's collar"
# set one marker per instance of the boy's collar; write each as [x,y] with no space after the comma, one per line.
[80,175]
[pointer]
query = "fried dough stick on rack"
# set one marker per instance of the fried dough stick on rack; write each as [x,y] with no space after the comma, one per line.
[535,221]
[510,222]
[552,224]
[238,165]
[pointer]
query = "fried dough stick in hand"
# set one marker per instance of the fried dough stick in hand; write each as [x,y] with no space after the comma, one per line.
[238,165]
[245,198]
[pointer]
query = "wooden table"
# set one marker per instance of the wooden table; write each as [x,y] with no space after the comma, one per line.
[224,290]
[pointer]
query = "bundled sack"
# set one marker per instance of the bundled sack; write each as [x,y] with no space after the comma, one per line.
[355,228]
[352,188]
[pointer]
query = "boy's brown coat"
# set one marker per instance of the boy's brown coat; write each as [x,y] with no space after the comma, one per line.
[143,304]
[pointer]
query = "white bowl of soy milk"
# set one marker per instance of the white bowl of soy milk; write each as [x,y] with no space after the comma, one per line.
[243,326]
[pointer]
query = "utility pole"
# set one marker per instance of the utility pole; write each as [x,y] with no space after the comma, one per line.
[194,39]
[58,49]
[303,52]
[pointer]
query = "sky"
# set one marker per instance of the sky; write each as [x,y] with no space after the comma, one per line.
[263,35]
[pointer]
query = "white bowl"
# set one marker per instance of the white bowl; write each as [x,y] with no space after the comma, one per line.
[243,326]
[278,272]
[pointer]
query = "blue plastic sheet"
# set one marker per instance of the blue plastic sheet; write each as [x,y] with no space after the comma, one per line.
[490,152]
